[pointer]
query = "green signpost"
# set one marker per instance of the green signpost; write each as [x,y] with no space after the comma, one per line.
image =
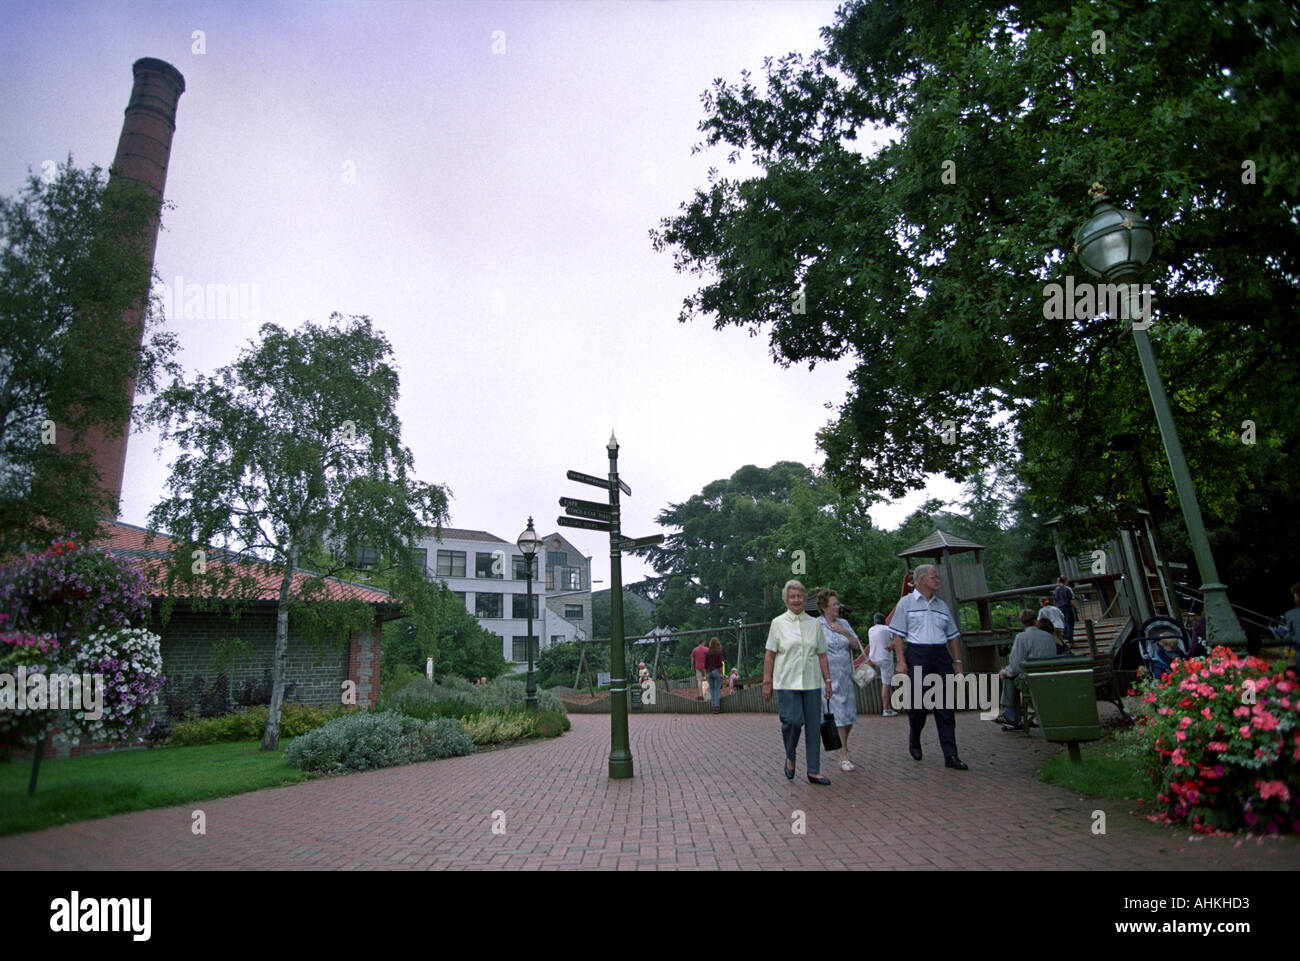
[592,516]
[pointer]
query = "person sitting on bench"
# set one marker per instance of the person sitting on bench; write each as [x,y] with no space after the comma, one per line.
[1035,641]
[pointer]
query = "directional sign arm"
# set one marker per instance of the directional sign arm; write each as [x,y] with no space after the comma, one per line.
[582,478]
[587,505]
[632,544]
[604,515]
[585,524]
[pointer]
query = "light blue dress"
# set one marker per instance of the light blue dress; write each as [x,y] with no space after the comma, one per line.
[839,658]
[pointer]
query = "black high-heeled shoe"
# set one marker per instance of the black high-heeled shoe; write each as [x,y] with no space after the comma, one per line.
[818,779]
[789,773]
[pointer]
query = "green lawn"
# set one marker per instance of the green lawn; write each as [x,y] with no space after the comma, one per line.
[81,788]
[1111,768]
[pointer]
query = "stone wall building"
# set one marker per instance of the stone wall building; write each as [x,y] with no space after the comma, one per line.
[204,644]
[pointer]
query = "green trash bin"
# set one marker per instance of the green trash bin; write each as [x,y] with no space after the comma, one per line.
[1065,698]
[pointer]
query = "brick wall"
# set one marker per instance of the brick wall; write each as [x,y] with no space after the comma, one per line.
[188,646]
[189,641]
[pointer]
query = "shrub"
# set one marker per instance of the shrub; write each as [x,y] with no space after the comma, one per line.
[1223,744]
[558,664]
[295,720]
[255,692]
[494,727]
[401,676]
[364,741]
[425,707]
[502,693]
[505,693]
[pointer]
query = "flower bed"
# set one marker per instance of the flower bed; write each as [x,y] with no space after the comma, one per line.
[1222,736]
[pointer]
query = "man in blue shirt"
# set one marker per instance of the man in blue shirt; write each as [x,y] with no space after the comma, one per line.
[926,634]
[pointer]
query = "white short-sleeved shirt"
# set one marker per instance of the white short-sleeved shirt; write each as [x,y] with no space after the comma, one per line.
[918,621]
[1053,614]
[881,643]
[797,641]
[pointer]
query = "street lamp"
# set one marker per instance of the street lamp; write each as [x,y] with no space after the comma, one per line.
[528,543]
[1115,245]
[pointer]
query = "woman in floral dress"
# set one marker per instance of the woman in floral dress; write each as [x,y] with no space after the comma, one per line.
[841,641]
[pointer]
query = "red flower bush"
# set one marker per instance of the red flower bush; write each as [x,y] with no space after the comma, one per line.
[1223,733]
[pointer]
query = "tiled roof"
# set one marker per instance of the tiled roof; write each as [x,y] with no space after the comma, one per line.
[462,534]
[129,541]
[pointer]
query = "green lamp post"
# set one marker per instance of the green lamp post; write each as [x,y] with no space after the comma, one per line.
[1115,245]
[528,543]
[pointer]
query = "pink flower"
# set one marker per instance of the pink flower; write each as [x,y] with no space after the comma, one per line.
[1264,721]
[1178,758]
[1180,735]
[1278,789]
[1244,731]
[1185,723]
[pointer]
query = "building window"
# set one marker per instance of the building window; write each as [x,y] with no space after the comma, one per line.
[557,639]
[487,605]
[520,605]
[557,558]
[421,560]
[521,569]
[451,563]
[460,596]
[490,565]
[571,579]
[519,648]
[367,557]
[573,612]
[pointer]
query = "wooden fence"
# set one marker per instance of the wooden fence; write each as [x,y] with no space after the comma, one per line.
[748,701]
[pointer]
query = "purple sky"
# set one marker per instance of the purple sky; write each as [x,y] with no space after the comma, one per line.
[496,230]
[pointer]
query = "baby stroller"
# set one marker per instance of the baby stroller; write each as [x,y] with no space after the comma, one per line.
[1151,633]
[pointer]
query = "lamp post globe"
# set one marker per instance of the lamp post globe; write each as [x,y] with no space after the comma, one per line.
[528,543]
[1115,245]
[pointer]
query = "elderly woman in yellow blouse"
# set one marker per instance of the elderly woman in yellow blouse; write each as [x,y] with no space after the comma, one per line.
[796,667]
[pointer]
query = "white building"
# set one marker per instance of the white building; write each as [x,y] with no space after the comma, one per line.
[487,573]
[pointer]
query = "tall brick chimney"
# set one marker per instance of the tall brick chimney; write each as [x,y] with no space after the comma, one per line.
[143,151]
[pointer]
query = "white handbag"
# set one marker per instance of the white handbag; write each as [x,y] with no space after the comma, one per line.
[865,674]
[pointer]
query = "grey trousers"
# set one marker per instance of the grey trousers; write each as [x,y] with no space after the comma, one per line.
[802,710]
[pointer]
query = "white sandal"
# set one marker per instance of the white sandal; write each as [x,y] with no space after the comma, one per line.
[847,766]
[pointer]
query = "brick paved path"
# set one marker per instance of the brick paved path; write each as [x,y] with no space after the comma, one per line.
[561,810]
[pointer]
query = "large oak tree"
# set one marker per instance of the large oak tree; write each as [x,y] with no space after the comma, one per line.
[925,259]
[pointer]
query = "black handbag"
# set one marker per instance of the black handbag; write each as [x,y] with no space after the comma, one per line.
[830,731]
